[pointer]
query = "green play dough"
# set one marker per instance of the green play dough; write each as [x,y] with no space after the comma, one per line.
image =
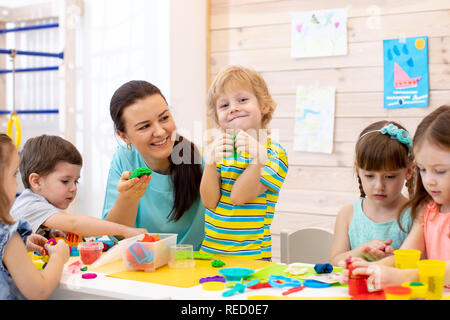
[217,263]
[140,172]
[203,256]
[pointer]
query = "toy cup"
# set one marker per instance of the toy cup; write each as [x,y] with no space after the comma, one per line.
[418,290]
[432,273]
[397,293]
[406,258]
[181,256]
[90,251]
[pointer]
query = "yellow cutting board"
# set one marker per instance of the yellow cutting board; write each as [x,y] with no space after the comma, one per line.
[184,278]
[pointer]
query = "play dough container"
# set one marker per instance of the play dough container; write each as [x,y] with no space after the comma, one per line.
[397,293]
[418,289]
[90,251]
[181,256]
[432,273]
[133,255]
[406,258]
[140,256]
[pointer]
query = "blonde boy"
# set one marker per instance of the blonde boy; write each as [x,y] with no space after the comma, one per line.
[240,192]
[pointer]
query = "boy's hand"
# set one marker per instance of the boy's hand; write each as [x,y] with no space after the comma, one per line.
[221,146]
[134,188]
[61,249]
[245,142]
[131,232]
[377,249]
[35,243]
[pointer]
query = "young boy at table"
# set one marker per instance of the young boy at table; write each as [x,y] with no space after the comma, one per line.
[240,191]
[50,169]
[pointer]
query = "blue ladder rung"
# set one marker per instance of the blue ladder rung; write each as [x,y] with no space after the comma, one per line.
[30,69]
[27,28]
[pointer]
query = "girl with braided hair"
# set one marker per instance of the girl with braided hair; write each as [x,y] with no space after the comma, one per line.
[377,224]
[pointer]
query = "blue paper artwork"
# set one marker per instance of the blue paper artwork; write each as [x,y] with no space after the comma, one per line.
[406,77]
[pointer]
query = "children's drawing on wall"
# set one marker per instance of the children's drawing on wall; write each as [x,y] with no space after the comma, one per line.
[314,119]
[406,72]
[319,33]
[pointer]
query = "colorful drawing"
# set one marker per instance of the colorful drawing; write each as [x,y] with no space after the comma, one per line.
[314,119]
[319,33]
[406,72]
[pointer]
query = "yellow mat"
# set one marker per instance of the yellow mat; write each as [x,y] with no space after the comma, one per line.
[184,278]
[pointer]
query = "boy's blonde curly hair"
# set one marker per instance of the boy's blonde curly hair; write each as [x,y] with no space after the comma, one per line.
[237,77]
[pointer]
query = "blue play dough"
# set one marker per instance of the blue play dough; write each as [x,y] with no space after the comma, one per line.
[323,268]
[315,284]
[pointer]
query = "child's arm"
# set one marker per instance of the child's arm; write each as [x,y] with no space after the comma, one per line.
[89,226]
[415,240]
[248,186]
[32,283]
[210,186]
[341,248]
[222,146]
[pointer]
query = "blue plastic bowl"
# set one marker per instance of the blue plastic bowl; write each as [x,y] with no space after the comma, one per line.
[235,274]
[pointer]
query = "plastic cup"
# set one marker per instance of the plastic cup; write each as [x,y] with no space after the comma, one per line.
[181,256]
[406,258]
[432,273]
[90,251]
[418,290]
[397,293]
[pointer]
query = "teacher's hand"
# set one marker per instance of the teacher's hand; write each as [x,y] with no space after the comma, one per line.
[134,188]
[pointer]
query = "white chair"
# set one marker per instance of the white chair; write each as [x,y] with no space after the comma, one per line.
[308,245]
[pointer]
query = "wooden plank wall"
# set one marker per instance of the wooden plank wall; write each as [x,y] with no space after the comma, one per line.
[256,34]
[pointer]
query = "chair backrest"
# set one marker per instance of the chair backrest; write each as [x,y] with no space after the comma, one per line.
[308,245]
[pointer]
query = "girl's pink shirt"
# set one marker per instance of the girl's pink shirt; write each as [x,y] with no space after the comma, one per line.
[436,227]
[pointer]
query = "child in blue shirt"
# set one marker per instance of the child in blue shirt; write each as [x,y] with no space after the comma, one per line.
[372,227]
[19,277]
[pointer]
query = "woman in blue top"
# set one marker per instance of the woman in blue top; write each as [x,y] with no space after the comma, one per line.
[167,201]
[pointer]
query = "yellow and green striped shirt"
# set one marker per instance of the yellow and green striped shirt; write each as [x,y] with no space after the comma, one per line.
[244,230]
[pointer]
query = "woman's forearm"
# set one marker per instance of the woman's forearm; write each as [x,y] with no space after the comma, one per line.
[124,211]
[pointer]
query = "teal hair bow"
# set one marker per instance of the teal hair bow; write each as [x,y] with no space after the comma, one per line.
[396,133]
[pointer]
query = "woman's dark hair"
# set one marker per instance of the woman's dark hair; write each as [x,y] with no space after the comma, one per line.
[187,174]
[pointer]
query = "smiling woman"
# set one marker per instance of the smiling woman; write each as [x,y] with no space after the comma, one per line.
[170,202]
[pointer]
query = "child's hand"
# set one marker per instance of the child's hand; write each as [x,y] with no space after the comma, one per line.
[244,142]
[36,242]
[134,188]
[60,249]
[356,262]
[381,276]
[221,146]
[131,232]
[377,249]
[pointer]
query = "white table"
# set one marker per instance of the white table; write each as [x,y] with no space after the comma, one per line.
[72,286]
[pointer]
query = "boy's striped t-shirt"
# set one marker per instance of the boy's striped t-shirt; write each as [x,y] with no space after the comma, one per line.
[244,230]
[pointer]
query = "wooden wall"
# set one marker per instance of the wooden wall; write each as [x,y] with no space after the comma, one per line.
[256,34]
